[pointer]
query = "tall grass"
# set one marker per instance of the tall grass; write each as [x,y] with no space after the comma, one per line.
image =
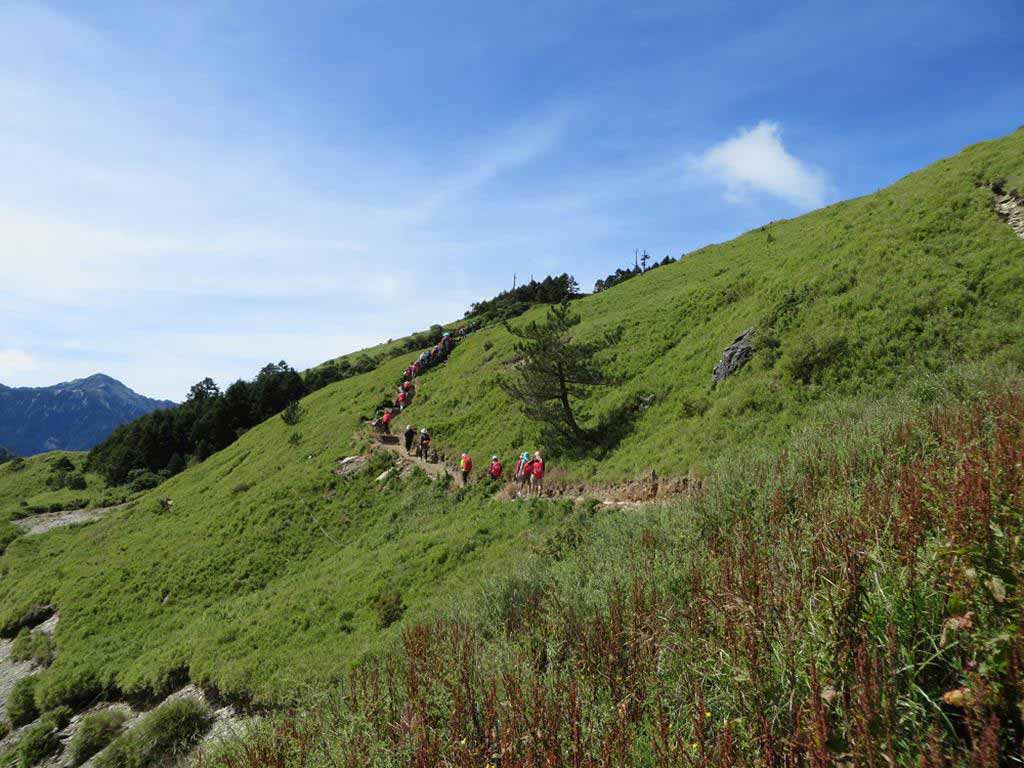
[854,600]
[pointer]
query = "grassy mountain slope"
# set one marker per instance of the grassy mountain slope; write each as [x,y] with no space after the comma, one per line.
[24,489]
[851,298]
[256,579]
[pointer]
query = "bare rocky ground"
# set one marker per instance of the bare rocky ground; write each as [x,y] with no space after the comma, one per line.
[227,722]
[12,671]
[47,521]
[1010,207]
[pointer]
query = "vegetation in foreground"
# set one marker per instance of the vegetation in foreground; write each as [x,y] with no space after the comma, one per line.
[853,600]
[168,732]
[94,733]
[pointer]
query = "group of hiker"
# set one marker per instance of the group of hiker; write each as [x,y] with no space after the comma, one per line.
[406,389]
[528,472]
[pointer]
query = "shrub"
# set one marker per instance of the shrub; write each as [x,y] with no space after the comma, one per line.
[73,688]
[21,704]
[37,647]
[95,732]
[389,608]
[169,730]
[76,482]
[16,464]
[39,742]
[63,464]
[292,414]
[143,480]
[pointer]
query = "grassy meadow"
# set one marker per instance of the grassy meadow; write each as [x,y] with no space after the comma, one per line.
[846,469]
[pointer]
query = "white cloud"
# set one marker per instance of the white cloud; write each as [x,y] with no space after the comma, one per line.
[756,160]
[14,361]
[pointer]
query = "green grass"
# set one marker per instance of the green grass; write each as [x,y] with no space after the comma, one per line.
[37,647]
[94,733]
[169,731]
[820,603]
[24,491]
[243,573]
[21,704]
[912,279]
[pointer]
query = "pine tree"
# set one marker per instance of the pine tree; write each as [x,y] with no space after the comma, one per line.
[556,372]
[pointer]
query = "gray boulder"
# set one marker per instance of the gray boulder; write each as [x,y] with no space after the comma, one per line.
[736,355]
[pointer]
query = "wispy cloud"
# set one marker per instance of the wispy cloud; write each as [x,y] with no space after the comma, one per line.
[756,160]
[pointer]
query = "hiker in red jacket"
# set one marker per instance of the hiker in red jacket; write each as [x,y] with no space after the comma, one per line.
[400,400]
[537,474]
[494,471]
[466,466]
[406,385]
[385,421]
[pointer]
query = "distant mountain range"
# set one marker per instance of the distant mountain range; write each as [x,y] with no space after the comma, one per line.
[74,415]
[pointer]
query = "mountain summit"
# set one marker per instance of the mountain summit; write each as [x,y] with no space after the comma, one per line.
[72,415]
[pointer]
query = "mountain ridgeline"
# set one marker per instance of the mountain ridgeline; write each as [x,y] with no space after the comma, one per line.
[74,415]
[834,577]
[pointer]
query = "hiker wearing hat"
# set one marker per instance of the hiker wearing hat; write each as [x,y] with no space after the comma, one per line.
[523,471]
[537,474]
[494,471]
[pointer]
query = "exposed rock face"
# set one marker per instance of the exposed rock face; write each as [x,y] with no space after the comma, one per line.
[736,355]
[1010,207]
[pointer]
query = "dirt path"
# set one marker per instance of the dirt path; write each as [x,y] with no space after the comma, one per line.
[635,493]
[36,524]
[434,471]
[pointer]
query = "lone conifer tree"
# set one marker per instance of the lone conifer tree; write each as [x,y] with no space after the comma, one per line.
[556,371]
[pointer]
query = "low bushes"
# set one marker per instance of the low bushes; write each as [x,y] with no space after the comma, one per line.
[21,704]
[42,740]
[170,729]
[96,731]
[37,647]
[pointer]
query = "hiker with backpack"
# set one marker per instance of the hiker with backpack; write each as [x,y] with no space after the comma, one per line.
[465,466]
[494,471]
[424,444]
[537,474]
[522,471]
[410,435]
[384,422]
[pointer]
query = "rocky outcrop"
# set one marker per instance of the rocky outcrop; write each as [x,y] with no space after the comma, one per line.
[352,465]
[736,355]
[1010,207]
[47,521]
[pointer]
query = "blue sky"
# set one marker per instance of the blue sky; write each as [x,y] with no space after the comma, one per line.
[197,188]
